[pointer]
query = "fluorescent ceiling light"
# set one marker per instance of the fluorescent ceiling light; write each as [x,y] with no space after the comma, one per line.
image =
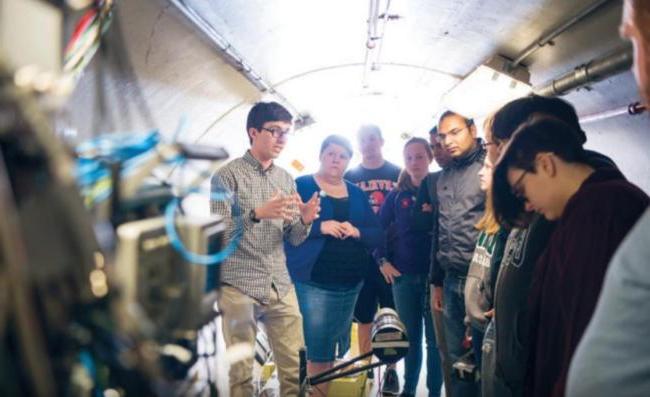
[487,88]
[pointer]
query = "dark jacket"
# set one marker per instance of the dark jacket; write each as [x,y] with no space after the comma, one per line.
[405,248]
[424,221]
[427,222]
[301,259]
[461,204]
[512,286]
[522,250]
[569,275]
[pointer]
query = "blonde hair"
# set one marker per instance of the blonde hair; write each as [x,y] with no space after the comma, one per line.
[488,222]
[487,125]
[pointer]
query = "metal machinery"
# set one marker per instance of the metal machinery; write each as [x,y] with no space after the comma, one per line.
[95,298]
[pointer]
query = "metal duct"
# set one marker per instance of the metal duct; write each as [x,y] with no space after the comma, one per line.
[590,72]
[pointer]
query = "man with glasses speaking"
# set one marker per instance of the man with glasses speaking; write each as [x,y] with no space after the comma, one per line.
[255,282]
[460,206]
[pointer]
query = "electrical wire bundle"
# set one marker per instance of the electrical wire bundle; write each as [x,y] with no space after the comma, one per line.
[93,157]
[86,36]
[127,154]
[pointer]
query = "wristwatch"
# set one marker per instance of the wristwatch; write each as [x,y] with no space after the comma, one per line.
[251,216]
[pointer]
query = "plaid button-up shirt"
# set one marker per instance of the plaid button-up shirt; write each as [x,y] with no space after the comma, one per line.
[259,261]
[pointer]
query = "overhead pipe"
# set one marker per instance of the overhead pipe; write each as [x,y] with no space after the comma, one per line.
[371,40]
[548,37]
[590,72]
[373,18]
[371,61]
[632,109]
[233,57]
[386,17]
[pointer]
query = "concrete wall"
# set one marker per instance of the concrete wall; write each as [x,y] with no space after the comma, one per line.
[177,74]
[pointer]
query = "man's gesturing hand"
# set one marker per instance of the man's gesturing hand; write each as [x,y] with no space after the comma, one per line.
[278,207]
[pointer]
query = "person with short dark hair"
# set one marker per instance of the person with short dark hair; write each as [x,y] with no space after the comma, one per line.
[506,342]
[520,110]
[255,283]
[328,268]
[613,357]
[376,177]
[440,154]
[461,204]
[405,265]
[262,112]
[545,169]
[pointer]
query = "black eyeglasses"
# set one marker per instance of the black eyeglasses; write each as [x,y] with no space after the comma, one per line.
[452,133]
[485,144]
[277,132]
[517,188]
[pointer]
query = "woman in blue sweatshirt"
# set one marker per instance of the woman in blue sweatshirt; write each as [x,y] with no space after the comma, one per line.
[404,259]
[328,267]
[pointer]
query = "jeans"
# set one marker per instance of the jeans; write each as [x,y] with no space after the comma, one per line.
[411,295]
[454,315]
[327,316]
[477,344]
